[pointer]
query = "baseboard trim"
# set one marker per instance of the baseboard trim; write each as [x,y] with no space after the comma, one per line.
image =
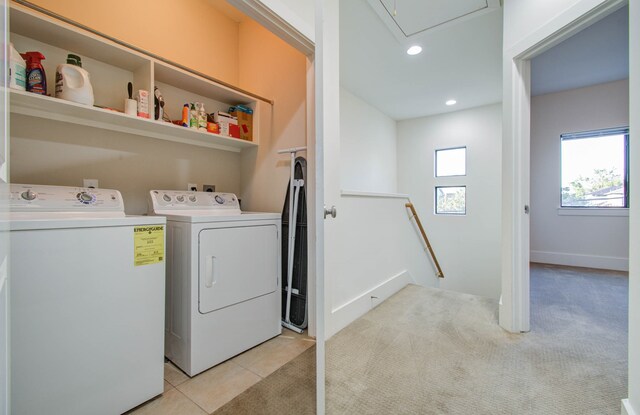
[579,260]
[347,313]
[626,408]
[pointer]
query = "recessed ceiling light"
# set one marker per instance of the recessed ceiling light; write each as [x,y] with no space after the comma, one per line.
[414,50]
[451,102]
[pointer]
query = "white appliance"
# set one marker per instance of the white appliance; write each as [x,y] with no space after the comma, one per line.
[87,302]
[223,277]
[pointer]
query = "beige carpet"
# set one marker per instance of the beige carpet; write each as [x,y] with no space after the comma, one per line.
[289,390]
[428,351]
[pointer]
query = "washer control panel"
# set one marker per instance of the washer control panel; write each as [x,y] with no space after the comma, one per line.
[41,198]
[175,200]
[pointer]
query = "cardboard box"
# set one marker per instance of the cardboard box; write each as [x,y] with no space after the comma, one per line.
[245,122]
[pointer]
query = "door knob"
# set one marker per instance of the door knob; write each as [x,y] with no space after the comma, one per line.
[331,212]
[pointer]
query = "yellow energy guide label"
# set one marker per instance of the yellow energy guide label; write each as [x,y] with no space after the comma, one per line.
[148,245]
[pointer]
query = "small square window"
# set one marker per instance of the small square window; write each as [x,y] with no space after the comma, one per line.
[451,162]
[451,200]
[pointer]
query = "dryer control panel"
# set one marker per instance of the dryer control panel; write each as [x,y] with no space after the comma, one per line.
[175,200]
[41,198]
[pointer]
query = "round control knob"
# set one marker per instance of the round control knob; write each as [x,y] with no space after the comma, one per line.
[29,195]
[85,198]
[180,198]
[219,199]
[166,197]
[193,199]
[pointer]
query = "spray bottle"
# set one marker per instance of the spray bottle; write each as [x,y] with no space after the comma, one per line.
[36,77]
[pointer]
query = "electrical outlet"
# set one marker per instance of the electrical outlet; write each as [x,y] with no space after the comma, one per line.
[90,183]
[192,187]
[208,187]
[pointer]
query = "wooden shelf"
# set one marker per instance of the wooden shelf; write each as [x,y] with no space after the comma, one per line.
[40,106]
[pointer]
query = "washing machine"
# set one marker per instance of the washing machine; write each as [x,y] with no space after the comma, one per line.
[223,277]
[86,302]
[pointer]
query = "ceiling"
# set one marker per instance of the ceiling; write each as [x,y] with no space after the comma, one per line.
[461,57]
[409,19]
[597,54]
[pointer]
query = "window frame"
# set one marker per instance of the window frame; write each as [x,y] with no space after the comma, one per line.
[435,161]
[435,201]
[625,176]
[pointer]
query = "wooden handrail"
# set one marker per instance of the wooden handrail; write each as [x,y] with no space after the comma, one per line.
[426,240]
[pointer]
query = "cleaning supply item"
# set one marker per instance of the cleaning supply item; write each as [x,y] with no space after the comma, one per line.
[185,115]
[17,70]
[202,118]
[72,81]
[36,77]
[193,117]
[143,103]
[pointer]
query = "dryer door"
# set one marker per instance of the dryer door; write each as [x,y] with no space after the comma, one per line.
[236,265]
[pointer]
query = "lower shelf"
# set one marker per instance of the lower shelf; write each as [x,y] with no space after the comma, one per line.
[40,106]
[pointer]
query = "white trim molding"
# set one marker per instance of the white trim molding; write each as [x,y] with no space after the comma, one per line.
[354,193]
[567,211]
[281,22]
[626,408]
[581,260]
[348,312]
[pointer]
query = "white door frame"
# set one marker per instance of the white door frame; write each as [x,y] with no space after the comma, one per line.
[515,301]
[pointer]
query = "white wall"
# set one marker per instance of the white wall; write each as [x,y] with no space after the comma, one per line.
[468,247]
[525,17]
[379,252]
[368,147]
[634,242]
[588,241]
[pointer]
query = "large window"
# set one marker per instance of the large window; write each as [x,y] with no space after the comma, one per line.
[594,168]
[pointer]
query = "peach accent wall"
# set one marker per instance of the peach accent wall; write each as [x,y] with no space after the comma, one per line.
[190,32]
[271,68]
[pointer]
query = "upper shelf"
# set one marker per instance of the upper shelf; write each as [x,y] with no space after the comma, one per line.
[40,106]
[37,26]
[145,70]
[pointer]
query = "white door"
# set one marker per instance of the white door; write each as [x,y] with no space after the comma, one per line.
[225,276]
[327,167]
[4,235]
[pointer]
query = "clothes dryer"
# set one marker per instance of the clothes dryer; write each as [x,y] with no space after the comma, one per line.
[86,302]
[223,277]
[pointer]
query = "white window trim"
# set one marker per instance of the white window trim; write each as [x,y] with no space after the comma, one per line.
[593,211]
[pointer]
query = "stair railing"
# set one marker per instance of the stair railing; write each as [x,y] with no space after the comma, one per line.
[414,215]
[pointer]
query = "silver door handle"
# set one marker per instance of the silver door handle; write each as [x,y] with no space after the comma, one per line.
[331,212]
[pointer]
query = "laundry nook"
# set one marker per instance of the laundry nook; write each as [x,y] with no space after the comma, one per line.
[320,207]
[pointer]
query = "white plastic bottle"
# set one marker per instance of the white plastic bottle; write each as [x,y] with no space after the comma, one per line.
[17,70]
[202,118]
[72,82]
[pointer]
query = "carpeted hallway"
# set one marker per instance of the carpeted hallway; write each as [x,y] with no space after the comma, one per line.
[428,351]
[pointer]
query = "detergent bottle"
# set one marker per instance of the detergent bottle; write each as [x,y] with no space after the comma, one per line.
[72,81]
[36,78]
[17,70]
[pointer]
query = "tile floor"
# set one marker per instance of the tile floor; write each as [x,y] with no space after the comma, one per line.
[210,390]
